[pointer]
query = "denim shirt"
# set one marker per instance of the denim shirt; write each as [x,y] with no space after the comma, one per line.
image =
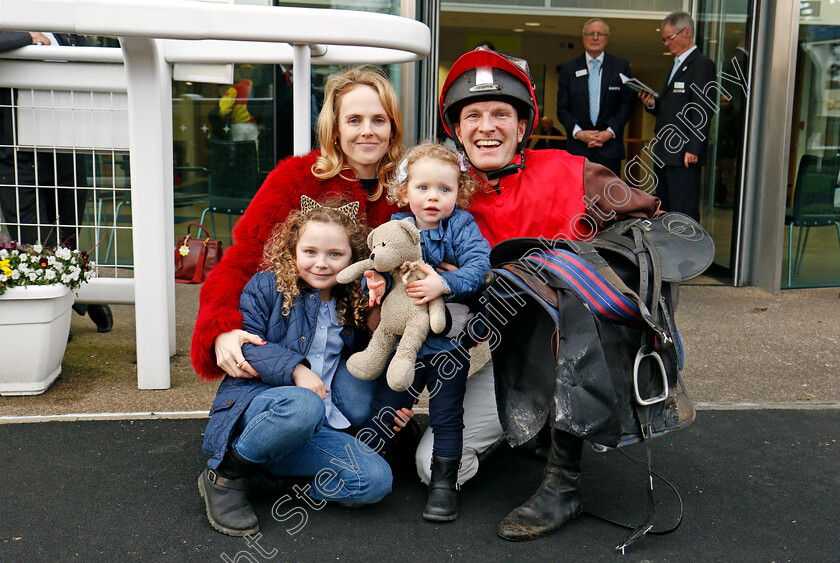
[325,355]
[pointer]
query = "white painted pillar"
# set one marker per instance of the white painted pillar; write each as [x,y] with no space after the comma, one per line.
[302,96]
[149,98]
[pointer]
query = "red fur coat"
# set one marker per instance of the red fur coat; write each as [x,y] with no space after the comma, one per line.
[280,194]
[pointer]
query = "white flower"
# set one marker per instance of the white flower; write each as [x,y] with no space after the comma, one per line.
[59,267]
[24,258]
[50,275]
[15,275]
[37,248]
[3,278]
[33,276]
[15,252]
[3,253]
[63,253]
[65,278]
[51,260]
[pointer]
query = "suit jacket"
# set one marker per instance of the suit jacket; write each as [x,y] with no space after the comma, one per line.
[614,111]
[674,100]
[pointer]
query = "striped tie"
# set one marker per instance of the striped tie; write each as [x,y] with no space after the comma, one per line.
[594,91]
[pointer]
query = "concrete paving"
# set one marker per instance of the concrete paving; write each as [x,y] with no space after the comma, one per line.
[744,347]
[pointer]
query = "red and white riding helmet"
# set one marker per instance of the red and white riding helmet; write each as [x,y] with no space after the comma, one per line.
[482,75]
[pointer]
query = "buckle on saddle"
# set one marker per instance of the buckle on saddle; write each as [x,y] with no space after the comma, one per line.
[640,355]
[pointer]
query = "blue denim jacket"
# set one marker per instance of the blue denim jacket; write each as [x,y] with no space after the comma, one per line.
[458,241]
[288,339]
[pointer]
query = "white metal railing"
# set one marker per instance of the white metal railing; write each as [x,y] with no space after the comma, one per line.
[152,35]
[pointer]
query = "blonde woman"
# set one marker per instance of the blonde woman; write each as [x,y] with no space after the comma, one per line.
[360,135]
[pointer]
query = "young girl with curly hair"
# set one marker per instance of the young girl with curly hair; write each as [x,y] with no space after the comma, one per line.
[434,185]
[289,420]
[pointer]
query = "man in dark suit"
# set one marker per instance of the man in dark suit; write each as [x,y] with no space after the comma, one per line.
[36,186]
[592,103]
[683,113]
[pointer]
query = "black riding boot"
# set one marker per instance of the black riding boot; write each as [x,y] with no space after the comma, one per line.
[225,494]
[442,505]
[558,499]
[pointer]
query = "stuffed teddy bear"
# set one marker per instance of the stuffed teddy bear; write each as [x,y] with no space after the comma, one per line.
[395,249]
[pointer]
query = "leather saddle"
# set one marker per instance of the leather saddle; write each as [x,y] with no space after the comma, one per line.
[586,338]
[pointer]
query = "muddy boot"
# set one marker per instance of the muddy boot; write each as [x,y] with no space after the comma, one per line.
[442,505]
[558,498]
[225,494]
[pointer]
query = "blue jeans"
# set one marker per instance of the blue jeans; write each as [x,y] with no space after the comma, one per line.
[284,430]
[352,396]
[445,374]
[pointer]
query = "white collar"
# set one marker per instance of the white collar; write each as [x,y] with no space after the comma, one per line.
[590,58]
[685,55]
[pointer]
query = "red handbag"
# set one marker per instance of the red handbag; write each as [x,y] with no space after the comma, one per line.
[194,257]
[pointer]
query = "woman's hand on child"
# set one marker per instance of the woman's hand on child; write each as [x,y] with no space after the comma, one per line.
[308,379]
[428,288]
[376,287]
[402,418]
[228,346]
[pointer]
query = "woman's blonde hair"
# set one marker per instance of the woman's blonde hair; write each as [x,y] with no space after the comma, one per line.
[332,161]
[398,189]
[280,256]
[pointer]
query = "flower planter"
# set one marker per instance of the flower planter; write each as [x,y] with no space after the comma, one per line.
[34,323]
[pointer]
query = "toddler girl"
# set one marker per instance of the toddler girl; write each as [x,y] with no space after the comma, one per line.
[434,186]
[289,420]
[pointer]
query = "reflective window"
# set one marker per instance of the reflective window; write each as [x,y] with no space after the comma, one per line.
[812,232]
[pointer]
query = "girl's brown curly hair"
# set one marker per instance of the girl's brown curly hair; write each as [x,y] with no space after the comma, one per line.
[398,189]
[279,256]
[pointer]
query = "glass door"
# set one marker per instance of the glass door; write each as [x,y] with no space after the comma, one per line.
[724,34]
[811,255]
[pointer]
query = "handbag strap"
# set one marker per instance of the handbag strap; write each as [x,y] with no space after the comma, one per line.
[200,226]
[199,267]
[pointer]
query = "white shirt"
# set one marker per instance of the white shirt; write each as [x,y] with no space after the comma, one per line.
[589,59]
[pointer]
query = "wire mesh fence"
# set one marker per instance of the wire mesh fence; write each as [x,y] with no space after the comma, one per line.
[64,172]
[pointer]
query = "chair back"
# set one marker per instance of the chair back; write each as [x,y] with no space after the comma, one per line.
[813,196]
[234,175]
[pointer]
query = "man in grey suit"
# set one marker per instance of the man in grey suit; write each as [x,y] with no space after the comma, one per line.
[592,103]
[683,111]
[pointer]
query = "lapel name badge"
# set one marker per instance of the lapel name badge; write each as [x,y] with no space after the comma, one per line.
[581,72]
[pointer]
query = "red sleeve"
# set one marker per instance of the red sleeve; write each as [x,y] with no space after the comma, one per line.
[280,194]
[219,298]
[609,199]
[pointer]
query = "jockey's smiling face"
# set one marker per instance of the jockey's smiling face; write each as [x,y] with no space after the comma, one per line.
[490,132]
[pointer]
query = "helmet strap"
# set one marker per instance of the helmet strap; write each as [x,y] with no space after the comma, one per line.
[511,168]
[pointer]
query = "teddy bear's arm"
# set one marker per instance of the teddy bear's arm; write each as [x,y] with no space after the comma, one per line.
[354,271]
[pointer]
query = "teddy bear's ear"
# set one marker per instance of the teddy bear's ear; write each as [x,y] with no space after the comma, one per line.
[409,227]
[370,240]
